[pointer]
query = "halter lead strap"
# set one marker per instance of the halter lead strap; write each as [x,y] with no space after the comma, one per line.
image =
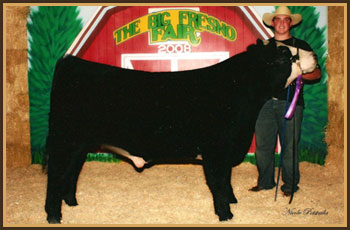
[288,115]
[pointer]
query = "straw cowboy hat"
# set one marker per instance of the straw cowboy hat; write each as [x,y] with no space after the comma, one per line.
[282,10]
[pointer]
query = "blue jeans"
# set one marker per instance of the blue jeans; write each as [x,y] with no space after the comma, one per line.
[268,125]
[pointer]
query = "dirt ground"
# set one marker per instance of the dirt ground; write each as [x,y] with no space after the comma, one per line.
[110,193]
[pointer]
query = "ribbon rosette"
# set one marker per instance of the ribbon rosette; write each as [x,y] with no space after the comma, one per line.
[291,110]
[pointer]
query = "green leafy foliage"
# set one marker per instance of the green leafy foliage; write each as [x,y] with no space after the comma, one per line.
[52,30]
[312,144]
[102,157]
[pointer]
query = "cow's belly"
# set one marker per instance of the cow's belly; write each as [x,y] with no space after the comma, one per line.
[138,161]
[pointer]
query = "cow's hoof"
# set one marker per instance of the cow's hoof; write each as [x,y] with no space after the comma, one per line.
[54,219]
[226,216]
[71,201]
[224,213]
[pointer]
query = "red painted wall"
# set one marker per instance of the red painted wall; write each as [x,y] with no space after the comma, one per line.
[101,46]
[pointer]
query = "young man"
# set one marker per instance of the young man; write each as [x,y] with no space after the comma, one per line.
[271,117]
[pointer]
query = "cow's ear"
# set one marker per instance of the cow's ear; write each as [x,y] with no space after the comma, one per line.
[259,42]
[272,43]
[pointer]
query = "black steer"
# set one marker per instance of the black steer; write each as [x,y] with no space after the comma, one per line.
[161,115]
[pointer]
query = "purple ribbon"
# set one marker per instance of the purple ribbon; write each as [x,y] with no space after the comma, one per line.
[291,110]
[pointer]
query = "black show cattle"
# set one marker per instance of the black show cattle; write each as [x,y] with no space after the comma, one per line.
[160,115]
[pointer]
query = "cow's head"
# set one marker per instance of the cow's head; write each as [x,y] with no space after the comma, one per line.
[270,54]
[273,64]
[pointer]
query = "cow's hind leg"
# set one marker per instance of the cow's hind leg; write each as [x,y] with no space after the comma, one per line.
[229,191]
[53,201]
[64,165]
[217,176]
[55,181]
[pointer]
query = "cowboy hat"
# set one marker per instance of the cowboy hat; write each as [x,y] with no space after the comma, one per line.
[282,10]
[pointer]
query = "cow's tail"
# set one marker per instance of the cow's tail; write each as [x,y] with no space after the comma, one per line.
[45,159]
[44,163]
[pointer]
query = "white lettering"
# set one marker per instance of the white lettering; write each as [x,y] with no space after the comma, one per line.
[170,48]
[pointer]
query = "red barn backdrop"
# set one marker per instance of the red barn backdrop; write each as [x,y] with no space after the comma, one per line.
[152,38]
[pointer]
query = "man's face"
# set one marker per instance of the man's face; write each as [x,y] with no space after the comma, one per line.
[282,24]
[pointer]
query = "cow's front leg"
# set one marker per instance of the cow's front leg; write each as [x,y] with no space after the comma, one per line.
[217,180]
